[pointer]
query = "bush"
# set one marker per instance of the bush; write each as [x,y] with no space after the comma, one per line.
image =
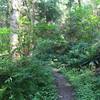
[83,82]
[26,81]
[45,30]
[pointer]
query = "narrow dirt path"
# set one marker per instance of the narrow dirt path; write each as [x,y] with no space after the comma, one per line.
[65,90]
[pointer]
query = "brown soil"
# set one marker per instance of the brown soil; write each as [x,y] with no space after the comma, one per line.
[65,90]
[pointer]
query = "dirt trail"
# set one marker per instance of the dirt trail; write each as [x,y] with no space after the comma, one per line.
[65,90]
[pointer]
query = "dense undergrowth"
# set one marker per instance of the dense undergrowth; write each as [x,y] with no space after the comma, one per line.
[65,35]
[61,52]
[70,57]
[84,82]
[29,79]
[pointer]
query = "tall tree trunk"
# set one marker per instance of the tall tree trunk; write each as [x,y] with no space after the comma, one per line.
[15,14]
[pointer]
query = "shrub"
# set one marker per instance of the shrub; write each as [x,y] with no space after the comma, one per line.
[83,82]
[26,81]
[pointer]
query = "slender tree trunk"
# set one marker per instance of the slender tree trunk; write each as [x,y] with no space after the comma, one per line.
[31,15]
[79,2]
[94,7]
[7,14]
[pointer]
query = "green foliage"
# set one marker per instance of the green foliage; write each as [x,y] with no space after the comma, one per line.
[48,10]
[26,80]
[2,91]
[46,30]
[82,24]
[4,40]
[83,82]
[68,45]
[97,2]
[70,54]
[97,86]
[4,31]
[4,44]
[77,53]
[24,20]
[3,2]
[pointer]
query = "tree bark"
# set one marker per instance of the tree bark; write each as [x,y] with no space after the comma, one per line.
[15,6]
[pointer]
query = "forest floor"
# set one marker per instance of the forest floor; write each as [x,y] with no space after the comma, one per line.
[64,88]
